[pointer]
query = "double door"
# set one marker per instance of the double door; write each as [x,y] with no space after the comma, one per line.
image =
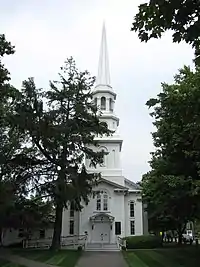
[101,232]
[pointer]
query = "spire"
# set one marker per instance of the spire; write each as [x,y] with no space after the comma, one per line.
[103,77]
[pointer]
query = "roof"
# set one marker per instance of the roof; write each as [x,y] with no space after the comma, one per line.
[112,183]
[103,214]
[103,77]
[131,183]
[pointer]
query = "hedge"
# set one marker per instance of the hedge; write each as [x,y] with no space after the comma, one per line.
[144,241]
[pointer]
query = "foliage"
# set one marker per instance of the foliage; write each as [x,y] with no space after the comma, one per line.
[172,187]
[30,213]
[61,124]
[10,174]
[143,242]
[16,161]
[181,16]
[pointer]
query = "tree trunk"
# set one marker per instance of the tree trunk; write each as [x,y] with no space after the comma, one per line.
[1,236]
[180,238]
[180,232]
[57,227]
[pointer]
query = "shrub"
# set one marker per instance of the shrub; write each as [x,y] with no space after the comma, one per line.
[140,242]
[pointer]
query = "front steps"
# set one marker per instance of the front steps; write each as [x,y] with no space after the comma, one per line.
[102,247]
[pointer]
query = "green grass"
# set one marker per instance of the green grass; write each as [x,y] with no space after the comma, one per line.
[60,258]
[176,257]
[5,263]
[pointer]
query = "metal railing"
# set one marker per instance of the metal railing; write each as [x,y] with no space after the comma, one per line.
[66,241]
[121,242]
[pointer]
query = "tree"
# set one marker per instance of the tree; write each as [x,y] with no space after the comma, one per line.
[9,143]
[181,16]
[61,124]
[172,187]
[17,163]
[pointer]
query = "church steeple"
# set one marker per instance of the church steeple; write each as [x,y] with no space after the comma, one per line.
[103,94]
[103,78]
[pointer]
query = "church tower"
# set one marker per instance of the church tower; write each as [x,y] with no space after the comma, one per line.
[105,97]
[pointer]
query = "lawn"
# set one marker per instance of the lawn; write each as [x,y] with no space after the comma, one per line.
[5,263]
[60,258]
[176,257]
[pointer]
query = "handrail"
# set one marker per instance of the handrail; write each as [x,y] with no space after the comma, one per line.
[74,240]
[121,242]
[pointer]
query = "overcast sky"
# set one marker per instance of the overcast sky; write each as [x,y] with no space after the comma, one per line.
[46,32]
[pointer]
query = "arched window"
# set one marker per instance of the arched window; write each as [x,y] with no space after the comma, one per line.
[103,149]
[103,164]
[103,103]
[111,104]
[102,201]
[98,202]
[105,201]
[114,157]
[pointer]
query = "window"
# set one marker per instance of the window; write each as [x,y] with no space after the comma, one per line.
[99,201]
[102,201]
[105,202]
[103,164]
[117,228]
[72,209]
[71,227]
[42,233]
[132,227]
[111,104]
[103,103]
[132,209]
[105,153]
[114,157]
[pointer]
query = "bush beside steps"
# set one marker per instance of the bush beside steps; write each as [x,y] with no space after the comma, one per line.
[143,242]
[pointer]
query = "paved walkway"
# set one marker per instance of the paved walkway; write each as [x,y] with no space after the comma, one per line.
[101,259]
[88,259]
[6,255]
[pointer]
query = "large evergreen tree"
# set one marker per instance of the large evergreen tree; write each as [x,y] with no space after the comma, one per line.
[61,124]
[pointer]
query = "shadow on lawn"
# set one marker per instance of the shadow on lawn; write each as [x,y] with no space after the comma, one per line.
[165,257]
[67,258]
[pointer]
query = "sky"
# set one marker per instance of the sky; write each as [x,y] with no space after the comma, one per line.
[47,32]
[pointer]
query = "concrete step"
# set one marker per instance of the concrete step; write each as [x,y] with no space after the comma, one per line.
[101,247]
[101,250]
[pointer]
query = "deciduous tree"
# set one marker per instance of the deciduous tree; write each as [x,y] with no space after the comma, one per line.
[172,187]
[181,16]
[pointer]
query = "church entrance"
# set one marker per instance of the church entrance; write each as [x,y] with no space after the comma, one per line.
[101,232]
[101,228]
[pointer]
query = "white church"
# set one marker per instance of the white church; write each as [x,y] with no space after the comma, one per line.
[117,211]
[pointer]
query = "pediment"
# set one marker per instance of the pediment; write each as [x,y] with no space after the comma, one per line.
[101,216]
